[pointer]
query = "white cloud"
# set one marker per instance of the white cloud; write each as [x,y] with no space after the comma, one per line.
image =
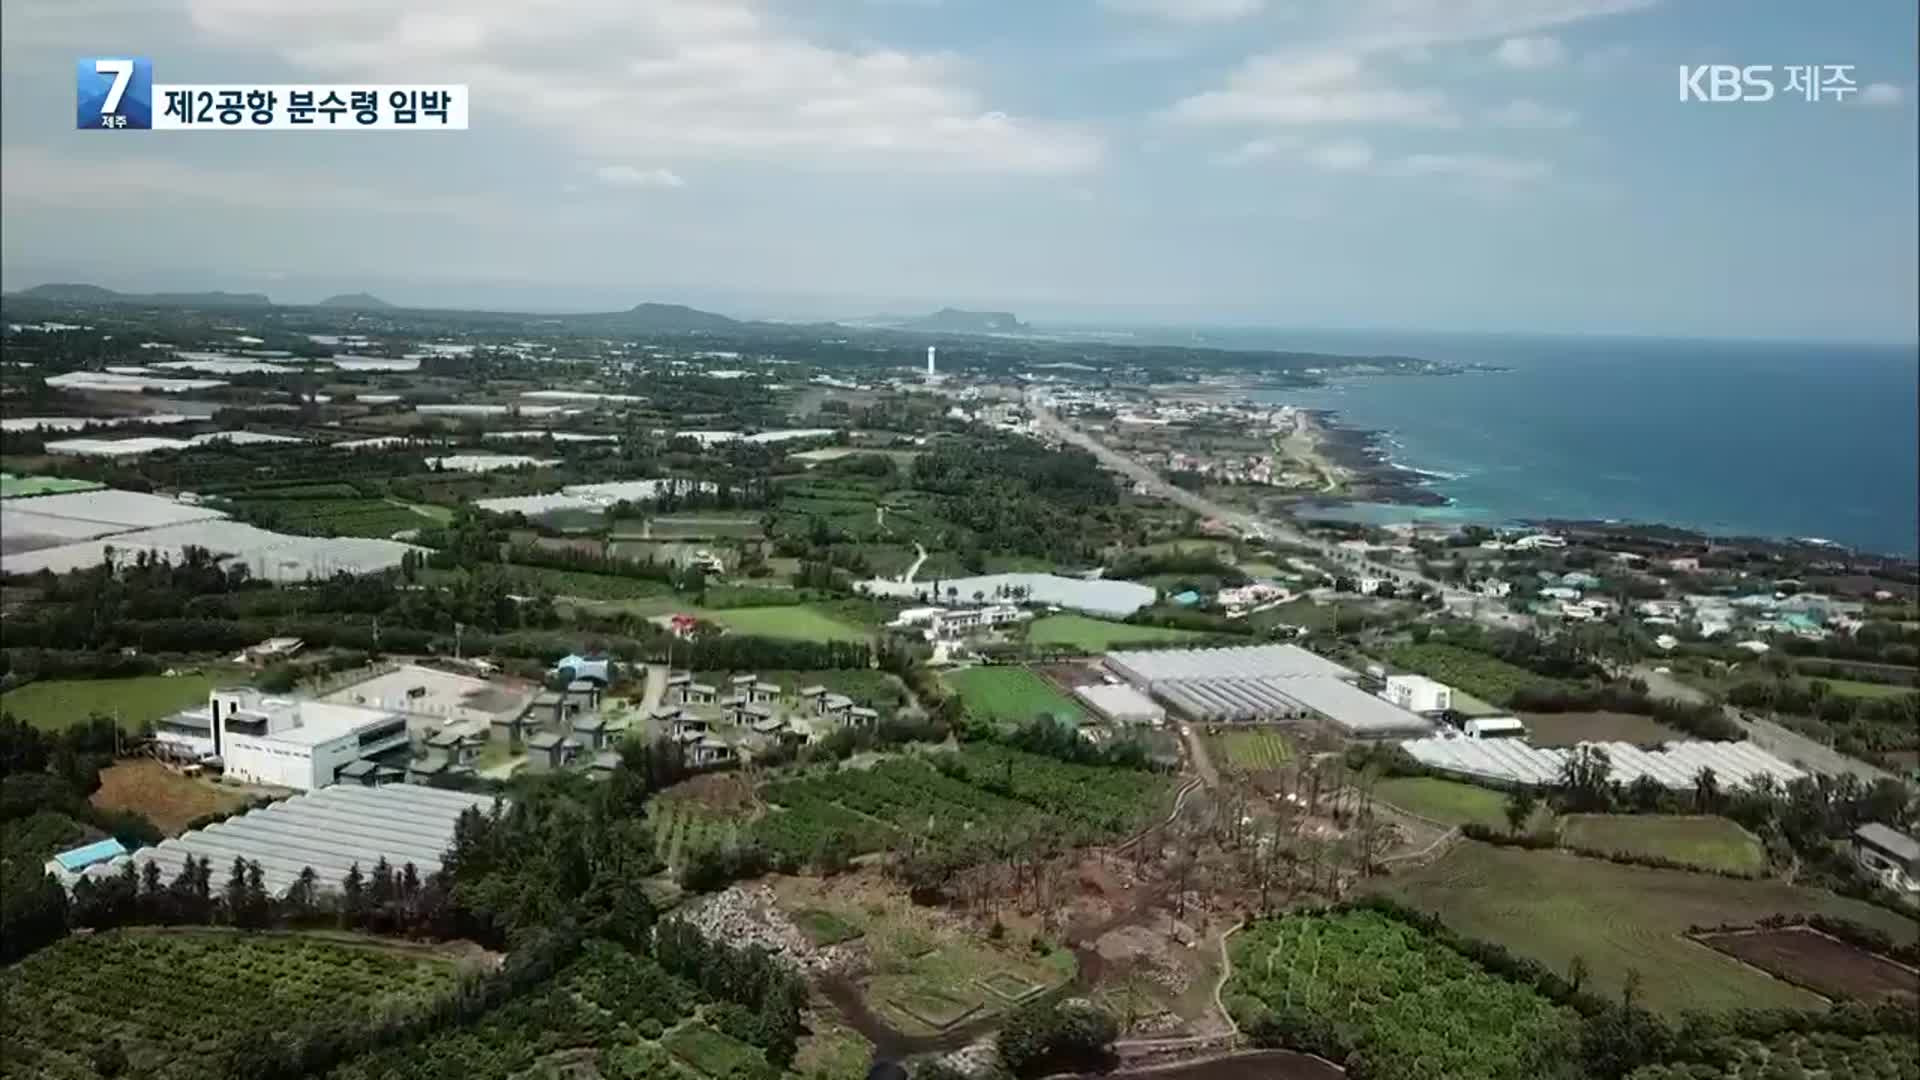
[1329,88]
[1188,11]
[1346,155]
[1329,73]
[1880,94]
[1525,114]
[627,176]
[1530,53]
[1259,149]
[1489,168]
[670,79]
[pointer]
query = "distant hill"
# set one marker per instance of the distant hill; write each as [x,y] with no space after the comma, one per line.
[356,301]
[94,294]
[659,319]
[956,321]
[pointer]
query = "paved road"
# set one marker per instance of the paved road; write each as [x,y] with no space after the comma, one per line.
[1781,742]
[1482,608]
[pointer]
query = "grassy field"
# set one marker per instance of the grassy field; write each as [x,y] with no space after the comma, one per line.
[151,991]
[1711,843]
[1853,688]
[1567,729]
[1009,693]
[55,703]
[1448,802]
[791,621]
[1099,635]
[167,798]
[711,1052]
[1249,751]
[1552,906]
[337,517]
[682,827]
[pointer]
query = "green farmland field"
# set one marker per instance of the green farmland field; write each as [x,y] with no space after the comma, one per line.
[1448,802]
[338,517]
[56,703]
[1249,751]
[1552,906]
[789,621]
[154,993]
[1009,694]
[1477,673]
[1099,635]
[1711,843]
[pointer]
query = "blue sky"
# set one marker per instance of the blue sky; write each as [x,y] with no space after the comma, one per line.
[1499,165]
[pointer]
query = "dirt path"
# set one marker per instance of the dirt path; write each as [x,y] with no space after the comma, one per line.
[1202,760]
[1782,742]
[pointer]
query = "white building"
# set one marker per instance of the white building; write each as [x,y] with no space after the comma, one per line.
[1890,855]
[1496,727]
[281,742]
[936,622]
[1418,694]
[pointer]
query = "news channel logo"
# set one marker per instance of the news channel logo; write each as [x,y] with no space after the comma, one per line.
[1726,83]
[115,93]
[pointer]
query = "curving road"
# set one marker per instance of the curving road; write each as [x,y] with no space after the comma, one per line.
[1483,608]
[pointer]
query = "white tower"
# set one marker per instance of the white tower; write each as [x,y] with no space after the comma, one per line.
[930,350]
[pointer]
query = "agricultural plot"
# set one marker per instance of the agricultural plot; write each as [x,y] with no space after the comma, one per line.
[1705,841]
[167,798]
[1448,802]
[1010,694]
[1818,1055]
[1249,751]
[683,827]
[563,1016]
[1477,673]
[154,993]
[1384,990]
[1806,957]
[711,1053]
[789,621]
[1572,728]
[704,526]
[926,969]
[337,517]
[1551,907]
[1856,689]
[56,703]
[977,793]
[1099,635]
[583,584]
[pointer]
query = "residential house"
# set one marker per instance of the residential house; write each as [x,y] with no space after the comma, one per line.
[460,744]
[747,714]
[597,669]
[835,706]
[701,694]
[709,751]
[591,730]
[861,716]
[676,690]
[362,771]
[763,693]
[550,750]
[603,764]
[1888,854]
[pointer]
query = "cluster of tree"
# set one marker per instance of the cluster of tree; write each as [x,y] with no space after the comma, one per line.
[567,851]
[1014,495]
[1557,657]
[1202,562]
[386,901]
[1704,721]
[1047,1037]
[1049,737]
[1866,727]
[1876,642]
[761,999]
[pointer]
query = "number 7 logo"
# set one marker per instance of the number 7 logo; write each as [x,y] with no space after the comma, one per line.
[122,72]
[114,92]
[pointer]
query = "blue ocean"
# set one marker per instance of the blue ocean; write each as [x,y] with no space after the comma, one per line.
[1731,438]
